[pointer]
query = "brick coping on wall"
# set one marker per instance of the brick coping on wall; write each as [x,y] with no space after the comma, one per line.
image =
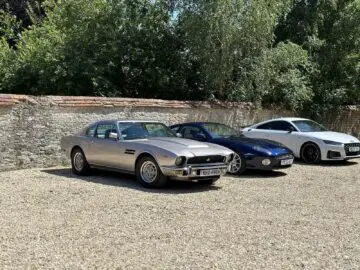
[9,100]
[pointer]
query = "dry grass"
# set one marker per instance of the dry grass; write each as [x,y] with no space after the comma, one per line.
[304,217]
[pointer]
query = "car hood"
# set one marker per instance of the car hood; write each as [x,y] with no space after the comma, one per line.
[245,142]
[251,142]
[333,136]
[186,147]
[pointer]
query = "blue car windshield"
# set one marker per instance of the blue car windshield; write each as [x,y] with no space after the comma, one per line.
[308,126]
[221,130]
[133,131]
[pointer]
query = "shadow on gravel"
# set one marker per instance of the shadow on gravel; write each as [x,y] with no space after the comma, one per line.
[335,163]
[261,174]
[129,181]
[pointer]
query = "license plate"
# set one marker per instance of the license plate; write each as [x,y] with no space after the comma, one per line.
[354,149]
[285,162]
[210,172]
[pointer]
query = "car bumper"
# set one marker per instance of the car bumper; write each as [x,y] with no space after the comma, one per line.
[253,162]
[192,173]
[334,152]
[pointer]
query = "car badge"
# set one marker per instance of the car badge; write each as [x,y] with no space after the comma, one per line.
[208,160]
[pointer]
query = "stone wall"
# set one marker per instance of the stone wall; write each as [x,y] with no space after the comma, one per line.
[31,127]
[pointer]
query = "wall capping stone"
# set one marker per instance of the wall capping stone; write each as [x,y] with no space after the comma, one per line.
[7,100]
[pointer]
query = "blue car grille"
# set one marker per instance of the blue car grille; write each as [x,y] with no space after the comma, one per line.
[287,156]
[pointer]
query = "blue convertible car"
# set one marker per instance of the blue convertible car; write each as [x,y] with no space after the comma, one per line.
[250,153]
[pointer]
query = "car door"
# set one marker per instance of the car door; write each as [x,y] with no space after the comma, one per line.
[107,152]
[260,132]
[283,132]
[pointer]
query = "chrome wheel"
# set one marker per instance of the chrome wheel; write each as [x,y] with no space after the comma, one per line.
[148,172]
[235,165]
[79,161]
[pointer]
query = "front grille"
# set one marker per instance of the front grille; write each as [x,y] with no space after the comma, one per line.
[348,145]
[287,156]
[206,159]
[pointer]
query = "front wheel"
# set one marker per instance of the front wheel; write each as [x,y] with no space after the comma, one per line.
[149,174]
[310,153]
[238,165]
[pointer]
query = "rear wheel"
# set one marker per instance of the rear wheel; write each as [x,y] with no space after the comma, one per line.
[310,153]
[149,174]
[79,164]
[238,165]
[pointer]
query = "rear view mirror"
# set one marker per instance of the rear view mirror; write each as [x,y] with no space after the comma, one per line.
[113,136]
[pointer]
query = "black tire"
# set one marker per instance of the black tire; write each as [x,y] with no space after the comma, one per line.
[79,164]
[240,168]
[310,153]
[209,181]
[146,169]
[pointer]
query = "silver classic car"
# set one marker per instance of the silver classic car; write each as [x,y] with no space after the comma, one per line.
[150,150]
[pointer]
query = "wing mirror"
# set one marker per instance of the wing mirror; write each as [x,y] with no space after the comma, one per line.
[200,137]
[113,136]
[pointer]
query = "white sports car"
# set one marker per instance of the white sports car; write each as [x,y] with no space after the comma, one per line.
[308,140]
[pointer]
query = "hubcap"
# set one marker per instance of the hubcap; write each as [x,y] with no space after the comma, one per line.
[148,172]
[311,154]
[79,161]
[235,165]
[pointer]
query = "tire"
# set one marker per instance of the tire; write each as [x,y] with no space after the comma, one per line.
[79,164]
[310,153]
[149,174]
[238,165]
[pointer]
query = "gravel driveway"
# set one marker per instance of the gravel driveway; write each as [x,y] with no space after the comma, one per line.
[304,217]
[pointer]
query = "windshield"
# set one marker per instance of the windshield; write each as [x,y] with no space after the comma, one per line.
[133,131]
[221,131]
[308,126]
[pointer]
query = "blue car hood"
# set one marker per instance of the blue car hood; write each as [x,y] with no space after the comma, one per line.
[246,145]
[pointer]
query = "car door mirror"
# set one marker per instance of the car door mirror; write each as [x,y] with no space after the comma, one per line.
[113,136]
[200,137]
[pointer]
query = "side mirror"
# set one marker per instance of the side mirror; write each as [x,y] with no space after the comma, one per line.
[179,135]
[200,137]
[113,136]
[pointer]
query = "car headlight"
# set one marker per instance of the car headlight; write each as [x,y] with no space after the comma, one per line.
[332,142]
[179,161]
[261,149]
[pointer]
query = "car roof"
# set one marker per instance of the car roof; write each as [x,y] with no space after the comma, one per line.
[288,119]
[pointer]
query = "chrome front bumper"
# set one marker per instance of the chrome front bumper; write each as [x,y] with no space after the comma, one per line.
[192,172]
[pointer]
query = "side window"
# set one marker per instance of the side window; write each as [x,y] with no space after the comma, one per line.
[103,130]
[265,126]
[282,126]
[90,132]
[190,132]
[175,128]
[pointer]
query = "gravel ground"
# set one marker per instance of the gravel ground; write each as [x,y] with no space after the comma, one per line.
[304,217]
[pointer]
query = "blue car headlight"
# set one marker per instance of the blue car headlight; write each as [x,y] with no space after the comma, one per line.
[262,149]
[332,142]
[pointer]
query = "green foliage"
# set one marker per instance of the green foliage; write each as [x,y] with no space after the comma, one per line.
[283,52]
